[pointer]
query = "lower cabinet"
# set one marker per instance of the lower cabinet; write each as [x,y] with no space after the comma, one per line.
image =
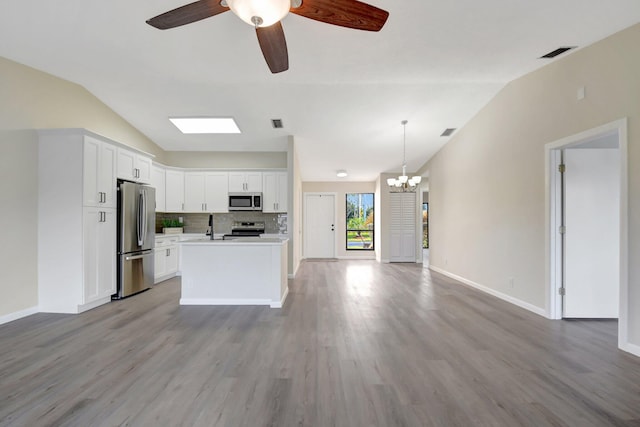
[99,250]
[166,254]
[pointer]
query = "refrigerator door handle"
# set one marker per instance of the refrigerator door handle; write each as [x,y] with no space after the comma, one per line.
[144,216]
[139,219]
[131,258]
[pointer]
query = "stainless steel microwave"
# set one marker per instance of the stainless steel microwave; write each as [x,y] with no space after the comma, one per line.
[245,201]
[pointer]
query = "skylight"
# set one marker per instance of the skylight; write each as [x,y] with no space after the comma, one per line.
[205,124]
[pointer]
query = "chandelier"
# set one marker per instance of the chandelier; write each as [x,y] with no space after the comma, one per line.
[403,183]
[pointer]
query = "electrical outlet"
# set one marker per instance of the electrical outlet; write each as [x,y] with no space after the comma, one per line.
[511,283]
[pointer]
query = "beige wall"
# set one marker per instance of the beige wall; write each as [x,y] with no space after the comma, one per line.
[341,189]
[222,160]
[31,100]
[486,186]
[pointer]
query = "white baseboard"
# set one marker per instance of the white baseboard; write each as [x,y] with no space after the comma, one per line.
[18,315]
[281,303]
[222,301]
[508,298]
[84,307]
[367,258]
[631,348]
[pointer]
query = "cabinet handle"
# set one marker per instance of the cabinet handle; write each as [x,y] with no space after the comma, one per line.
[205,207]
[168,251]
[183,206]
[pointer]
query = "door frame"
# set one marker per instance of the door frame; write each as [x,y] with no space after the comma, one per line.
[305,241]
[553,197]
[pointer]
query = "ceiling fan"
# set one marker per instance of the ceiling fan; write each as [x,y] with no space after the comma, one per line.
[265,16]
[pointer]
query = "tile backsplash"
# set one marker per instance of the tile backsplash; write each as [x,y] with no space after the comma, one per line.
[274,223]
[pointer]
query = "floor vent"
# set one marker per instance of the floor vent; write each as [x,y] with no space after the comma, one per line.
[557,52]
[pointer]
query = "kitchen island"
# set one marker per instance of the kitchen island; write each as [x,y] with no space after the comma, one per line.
[243,271]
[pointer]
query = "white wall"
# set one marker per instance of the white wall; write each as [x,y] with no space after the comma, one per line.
[294,219]
[486,186]
[341,189]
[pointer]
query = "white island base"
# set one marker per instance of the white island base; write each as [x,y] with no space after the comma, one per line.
[246,271]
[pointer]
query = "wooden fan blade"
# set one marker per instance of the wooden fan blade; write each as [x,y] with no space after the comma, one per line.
[187,14]
[344,13]
[274,47]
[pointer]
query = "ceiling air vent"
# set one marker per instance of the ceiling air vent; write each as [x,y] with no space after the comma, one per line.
[276,123]
[448,131]
[557,52]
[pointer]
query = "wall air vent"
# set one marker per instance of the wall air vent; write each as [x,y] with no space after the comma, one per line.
[448,131]
[276,123]
[557,52]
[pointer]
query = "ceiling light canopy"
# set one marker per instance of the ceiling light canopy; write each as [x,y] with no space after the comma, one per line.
[341,173]
[205,124]
[403,183]
[260,13]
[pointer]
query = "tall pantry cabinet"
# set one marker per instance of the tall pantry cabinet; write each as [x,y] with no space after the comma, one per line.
[76,220]
[402,227]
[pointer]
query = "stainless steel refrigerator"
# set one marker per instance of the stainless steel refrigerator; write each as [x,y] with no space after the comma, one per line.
[136,237]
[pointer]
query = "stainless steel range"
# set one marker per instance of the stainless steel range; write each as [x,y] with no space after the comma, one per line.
[245,229]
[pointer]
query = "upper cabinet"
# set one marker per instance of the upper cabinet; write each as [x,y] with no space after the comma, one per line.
[216,191]
[99,182]
[174,188]
[157,182]
[206,191]
[274,191]
[133,166]
[245,182]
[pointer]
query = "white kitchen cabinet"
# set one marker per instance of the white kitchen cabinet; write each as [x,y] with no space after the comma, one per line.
[402,230]
[216,191]
[206,191]
[157,182]
[194,199]
[245,182]
[80,274]
[166,256]
[99,252]
[99,182]
[174,190]
[133,166]
[274,191]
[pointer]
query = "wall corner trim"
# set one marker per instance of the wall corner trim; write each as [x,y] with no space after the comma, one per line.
[631,348]
[18,315]
[515,301]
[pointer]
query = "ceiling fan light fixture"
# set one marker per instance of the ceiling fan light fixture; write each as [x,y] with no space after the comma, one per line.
[260,13]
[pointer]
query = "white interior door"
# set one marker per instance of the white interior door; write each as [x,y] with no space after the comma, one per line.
[319,225]
[592,237]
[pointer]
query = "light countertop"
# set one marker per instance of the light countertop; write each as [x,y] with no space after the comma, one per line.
[242,241]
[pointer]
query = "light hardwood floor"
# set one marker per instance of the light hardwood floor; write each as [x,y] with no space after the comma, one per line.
[358,343]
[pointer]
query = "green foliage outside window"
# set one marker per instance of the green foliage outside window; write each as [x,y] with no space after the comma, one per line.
[360,225]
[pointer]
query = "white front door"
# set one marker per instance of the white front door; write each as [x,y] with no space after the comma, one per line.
[592,237]
[319,225]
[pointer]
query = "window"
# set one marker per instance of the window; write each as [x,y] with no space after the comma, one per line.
[360,230]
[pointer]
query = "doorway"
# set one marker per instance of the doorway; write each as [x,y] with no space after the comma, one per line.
[319,225]
[587,225]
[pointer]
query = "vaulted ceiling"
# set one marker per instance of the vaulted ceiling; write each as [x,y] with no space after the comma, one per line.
[434,63]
